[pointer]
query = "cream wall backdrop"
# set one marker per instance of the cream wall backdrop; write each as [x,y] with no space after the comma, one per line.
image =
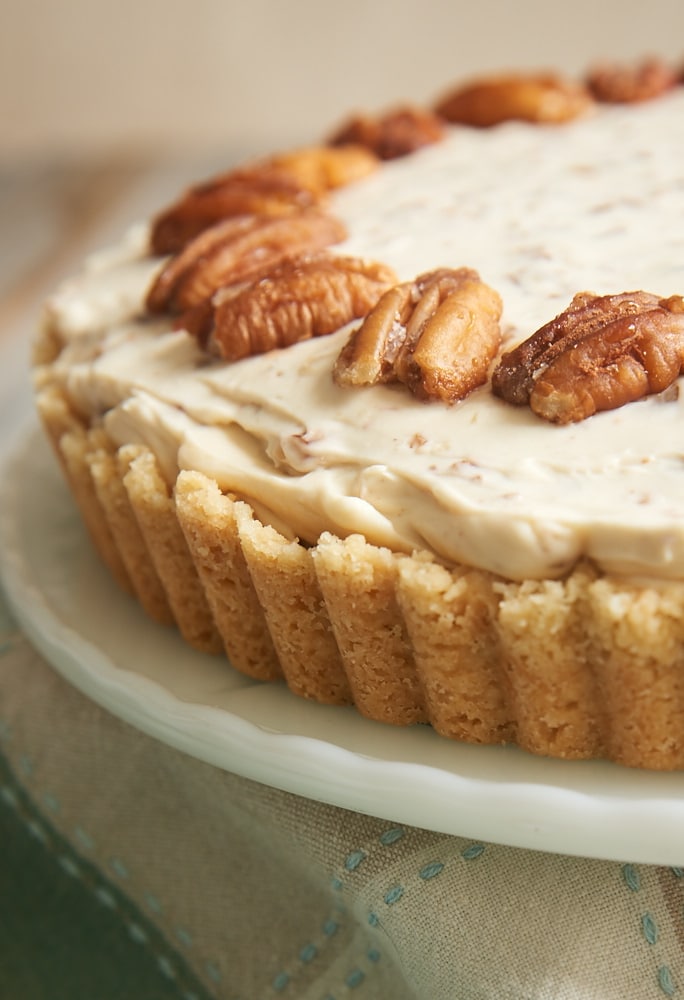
[89,75]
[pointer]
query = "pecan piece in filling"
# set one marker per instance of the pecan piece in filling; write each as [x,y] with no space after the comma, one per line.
[438,335]
[603,351]
[302,297]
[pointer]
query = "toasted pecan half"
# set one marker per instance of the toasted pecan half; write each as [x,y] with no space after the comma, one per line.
[224,197]
[238,250]
[283,183]
[438,335]
[620,84]
[396,133]
[302,297]
[603,351]
[544,98]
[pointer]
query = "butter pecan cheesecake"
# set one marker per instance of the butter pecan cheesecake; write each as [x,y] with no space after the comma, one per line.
[396,420]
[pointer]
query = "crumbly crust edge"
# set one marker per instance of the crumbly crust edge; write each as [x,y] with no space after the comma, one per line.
[580,668]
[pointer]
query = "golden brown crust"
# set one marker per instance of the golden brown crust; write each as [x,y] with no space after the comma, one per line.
[582,667]
[127,535]
[289,592]
[372,637]
[207,519]
[155,513]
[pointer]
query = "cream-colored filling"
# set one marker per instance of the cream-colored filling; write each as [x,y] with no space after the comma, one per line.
[542,213]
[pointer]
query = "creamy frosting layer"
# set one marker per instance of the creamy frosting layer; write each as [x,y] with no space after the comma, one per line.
[541,213]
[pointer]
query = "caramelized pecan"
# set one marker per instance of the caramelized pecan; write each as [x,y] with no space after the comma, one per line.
[302,297]
[257,192]
[542,98]
[600,353]
[614,84]
[394,134]
[438,335]
[283,183]
[238,250]
[322,168]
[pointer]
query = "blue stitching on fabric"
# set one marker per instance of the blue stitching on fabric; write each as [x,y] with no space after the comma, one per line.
[431,871]
[393,895]
[649,928]
[51,841]
[71,868]
[391,836]
[152,902]
[9,796]
[665,981]
[105,897]
[118,867]
[165,967]
[213,971]
[308,953]
[137,933]
[51,803]
[631,877]
[25,764]
[37,831]
[354,859]
[355,978]
[473,852]
[84,840]
[280,982]
[184,937]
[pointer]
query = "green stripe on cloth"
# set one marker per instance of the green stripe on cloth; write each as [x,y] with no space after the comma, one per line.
[66,932]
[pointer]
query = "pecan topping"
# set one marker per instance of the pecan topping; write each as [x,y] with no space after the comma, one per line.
[397,133]
[238,250]
[284,183]
[630,84]
[224,197]
[438,335]
[322,168]
[600,353]
[542,98]
[301,298]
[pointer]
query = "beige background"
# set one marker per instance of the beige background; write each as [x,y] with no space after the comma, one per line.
[90,76]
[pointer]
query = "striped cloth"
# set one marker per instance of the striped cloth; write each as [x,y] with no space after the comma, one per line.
[128,870]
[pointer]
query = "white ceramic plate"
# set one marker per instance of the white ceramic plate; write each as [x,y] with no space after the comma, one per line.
[103,644]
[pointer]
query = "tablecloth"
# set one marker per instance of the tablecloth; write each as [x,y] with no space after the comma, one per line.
[130,870]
